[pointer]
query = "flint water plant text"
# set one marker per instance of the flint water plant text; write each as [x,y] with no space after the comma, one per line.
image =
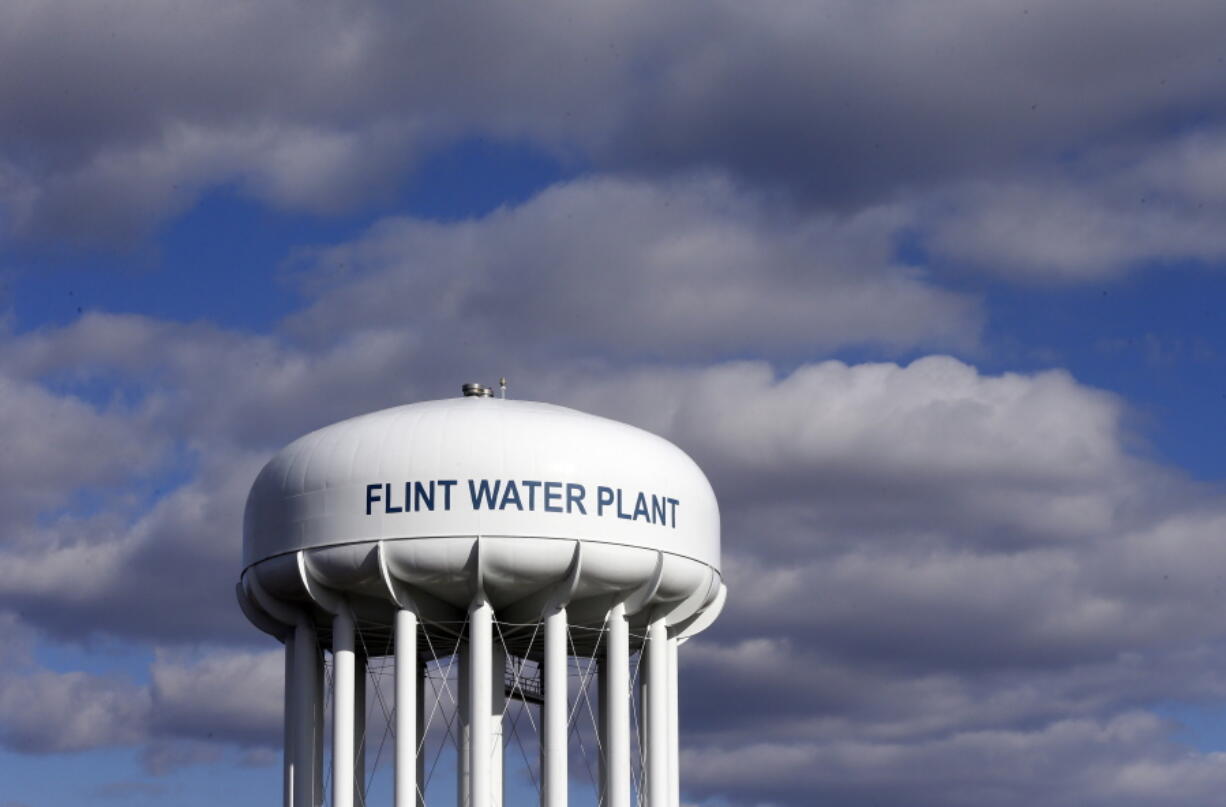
[523,495]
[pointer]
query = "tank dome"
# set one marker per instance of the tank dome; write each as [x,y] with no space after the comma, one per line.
[479,466]
[528,480]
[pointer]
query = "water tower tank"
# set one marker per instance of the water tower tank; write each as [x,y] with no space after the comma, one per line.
[515,536]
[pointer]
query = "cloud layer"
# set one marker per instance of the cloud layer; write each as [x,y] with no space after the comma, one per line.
[948,585]
[925,561]
[836,103]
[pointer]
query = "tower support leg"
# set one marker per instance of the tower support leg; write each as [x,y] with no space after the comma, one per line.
[464,733]
[302,690]
[407,706]
[553,739]
[343,690]
[498,705]
[421,735]
[289,742]
[615,701]
[655,715]
[674,750]
[479,692]
[360,664]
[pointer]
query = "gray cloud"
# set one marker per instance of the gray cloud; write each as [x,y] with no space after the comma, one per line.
[1096,216]
[686,268]
[924,559]
[56,445]
[1125,760]
[44,711]
[1026,577]
[197,697]
[192,707]
[833,101]
[1026,459]
[881,657]
[896,595]
[167,575]
[946,587]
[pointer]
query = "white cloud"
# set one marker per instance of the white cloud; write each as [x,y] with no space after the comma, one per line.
[933,445]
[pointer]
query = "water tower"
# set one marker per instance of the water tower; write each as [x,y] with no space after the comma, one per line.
[514,539]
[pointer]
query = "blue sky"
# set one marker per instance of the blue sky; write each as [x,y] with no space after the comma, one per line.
[931,291]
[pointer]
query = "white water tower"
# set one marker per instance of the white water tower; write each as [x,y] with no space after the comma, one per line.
[511,540]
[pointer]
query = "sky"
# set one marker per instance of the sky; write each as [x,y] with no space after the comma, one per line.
[931,291]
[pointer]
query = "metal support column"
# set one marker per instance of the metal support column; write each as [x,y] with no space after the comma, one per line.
[421,734]
[464,731]
[480,686]
[317,701]
[289,734]
[360,663]
[342,710]
[602,727]
[498,705]
[553,734]
[616,703]
[655,715]
[674,750]
[307,722]
[407,705]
